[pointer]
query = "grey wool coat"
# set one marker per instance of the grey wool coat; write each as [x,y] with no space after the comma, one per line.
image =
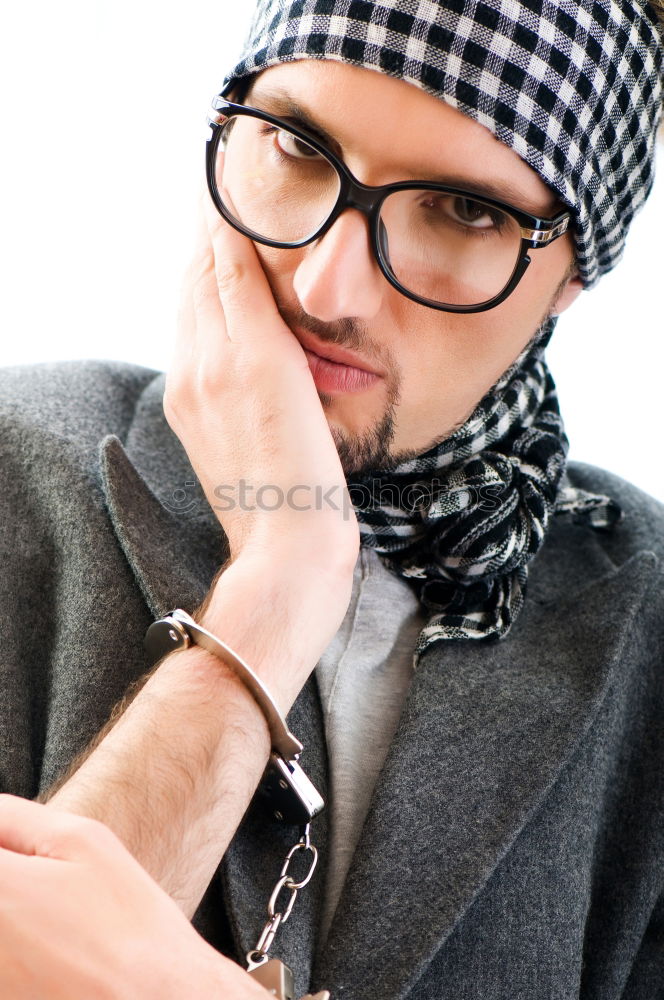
[514,847]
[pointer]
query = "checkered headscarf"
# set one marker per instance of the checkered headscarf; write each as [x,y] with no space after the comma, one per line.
[573,86]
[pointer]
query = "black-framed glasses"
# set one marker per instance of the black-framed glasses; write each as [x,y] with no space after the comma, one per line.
[447,248]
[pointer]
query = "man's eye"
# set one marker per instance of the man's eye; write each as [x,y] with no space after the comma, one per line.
[294,147]
[473,213]
[466,212]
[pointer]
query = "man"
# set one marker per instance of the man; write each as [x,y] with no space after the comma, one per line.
[362,435]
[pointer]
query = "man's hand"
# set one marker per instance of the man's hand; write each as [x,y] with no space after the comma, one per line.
[242,400]
[81,920]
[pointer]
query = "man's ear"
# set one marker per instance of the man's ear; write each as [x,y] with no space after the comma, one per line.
[568,294]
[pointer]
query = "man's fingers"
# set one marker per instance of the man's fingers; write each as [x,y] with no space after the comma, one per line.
[20,870]
[33,829]
[242,286]
[25,824]
[201,327]
[201,297]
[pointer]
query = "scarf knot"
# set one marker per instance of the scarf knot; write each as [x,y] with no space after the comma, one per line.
[462,521]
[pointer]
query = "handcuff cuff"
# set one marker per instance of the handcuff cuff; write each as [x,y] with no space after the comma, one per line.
[285,789]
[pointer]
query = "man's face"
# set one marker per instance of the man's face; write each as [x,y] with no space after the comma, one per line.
[431,367]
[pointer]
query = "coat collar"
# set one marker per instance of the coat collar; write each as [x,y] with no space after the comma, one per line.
[170,536]
[485,731]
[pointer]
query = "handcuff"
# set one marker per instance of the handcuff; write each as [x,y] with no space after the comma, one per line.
[289,795]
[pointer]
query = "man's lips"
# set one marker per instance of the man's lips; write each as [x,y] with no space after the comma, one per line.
[335,353]
[335,368]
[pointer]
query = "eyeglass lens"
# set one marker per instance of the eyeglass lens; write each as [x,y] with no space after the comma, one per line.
[447,248]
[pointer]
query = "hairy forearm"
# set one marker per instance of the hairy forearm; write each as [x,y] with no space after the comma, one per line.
[175,773]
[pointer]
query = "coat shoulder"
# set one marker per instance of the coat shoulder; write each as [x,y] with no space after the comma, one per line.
[73,401]
[576,555]
[642,526]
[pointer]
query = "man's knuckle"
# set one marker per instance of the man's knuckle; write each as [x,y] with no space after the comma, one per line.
[67,835]
[207,384]
[84,832]
[231,276]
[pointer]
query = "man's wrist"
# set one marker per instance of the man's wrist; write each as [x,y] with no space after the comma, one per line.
[278,619]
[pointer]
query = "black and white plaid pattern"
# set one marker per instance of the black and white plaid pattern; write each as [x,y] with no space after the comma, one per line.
[573,86]
[462,521]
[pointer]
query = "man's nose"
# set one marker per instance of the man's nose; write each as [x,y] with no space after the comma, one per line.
[339,275]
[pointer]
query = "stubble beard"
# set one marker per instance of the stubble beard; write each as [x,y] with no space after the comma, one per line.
[361,454]
[370,451]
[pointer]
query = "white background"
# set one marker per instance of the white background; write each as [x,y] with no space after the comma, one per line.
[103,134]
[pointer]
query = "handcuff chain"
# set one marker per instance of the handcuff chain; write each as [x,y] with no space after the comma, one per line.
[258,955]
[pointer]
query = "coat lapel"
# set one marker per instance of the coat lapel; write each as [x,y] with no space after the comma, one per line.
[170,536]
[485,731]
[175,545]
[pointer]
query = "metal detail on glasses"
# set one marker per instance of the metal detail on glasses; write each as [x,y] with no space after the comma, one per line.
[544,236]
[444,247]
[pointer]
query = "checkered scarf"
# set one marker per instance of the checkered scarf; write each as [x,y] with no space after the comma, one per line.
[573,86]
[462,521]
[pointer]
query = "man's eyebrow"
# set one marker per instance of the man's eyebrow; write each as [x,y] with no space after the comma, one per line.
[282,105]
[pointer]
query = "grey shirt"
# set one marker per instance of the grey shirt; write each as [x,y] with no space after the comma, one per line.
[363,677]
